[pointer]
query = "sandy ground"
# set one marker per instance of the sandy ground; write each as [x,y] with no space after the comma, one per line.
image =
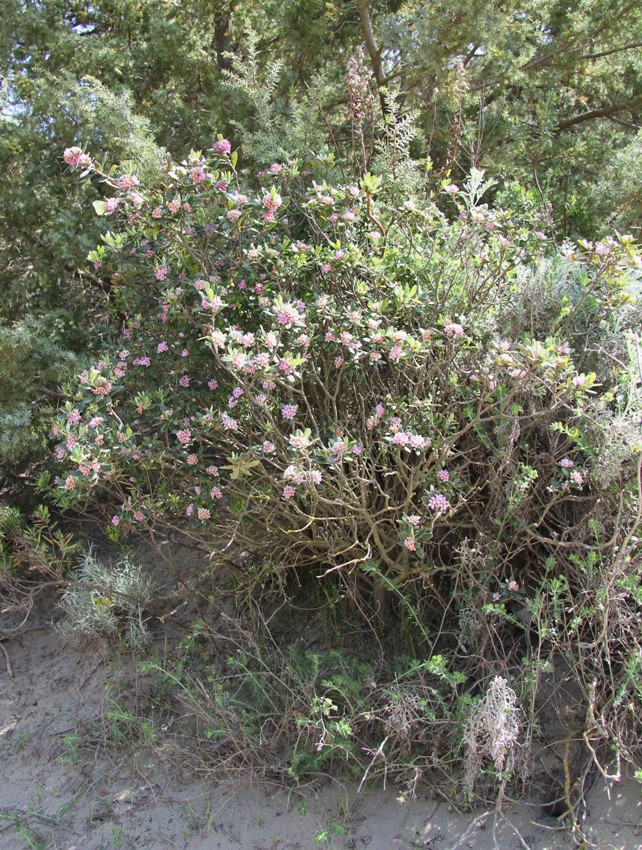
[59,791]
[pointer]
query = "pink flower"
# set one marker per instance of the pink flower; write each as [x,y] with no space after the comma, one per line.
[395,353]
[197,174]
[268,448]
[212,470]
[111,205]
[453,329]
[566,463]
[215,493]
[217,338]
[184,436]
[288,411]
[70,482]
[222,146]
[577,478]
[338,449]
[229,424]
[139,516]
[192,460]
[189,510]
[288,315]
[184,380]
[162,346]
[161,273]
[292,474]
[438,503]
[157,212]
[234,215]
[115,520]
[240,360]
[272,202]
[410,544]
[339,361]
[400,439]
[127,182]
[452,189]
[288,492]
[443,475]
[203,513]
[413,519]
[102,390]
[74,417]
[75,158]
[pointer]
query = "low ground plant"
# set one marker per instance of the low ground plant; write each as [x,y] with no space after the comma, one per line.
[105,600]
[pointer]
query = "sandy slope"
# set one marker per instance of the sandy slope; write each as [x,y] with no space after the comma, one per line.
[69,792]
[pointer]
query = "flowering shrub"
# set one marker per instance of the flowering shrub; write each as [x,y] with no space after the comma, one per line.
[342,377]
[417,393]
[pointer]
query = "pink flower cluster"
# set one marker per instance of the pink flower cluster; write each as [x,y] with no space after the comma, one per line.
[288,315]
[76,158]
[438,503]
[452,329]
[127,182]
[410,440]
[288,411]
